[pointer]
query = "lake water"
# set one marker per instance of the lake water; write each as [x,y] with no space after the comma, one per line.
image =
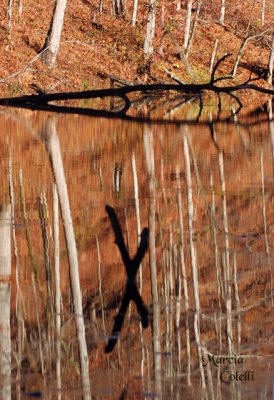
[205,191]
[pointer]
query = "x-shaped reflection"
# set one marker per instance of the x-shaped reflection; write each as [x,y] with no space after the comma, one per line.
[131,292]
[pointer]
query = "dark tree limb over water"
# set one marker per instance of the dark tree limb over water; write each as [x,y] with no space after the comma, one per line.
[42,101]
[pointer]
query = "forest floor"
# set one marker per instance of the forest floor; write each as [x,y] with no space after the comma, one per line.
[94,47]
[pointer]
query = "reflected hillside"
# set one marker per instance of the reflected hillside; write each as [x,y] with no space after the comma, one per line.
[204,191]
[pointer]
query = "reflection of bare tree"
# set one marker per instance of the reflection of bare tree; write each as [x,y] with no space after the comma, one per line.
[271,129]
[5,275]
[19,318]
[190,224]
[184,276]
[138,222]
[57,287]
[194,268]
[263,203]
[50,135]
[227,274]
[149,156]
[237,301]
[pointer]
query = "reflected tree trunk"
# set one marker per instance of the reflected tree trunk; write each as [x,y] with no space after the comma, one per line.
[216,250]
[49,133]
[100,287]
[5,297]
[57,287]
[149,156]
[237,302]
[19,316]
[190,224]
[263,203]
[227,261]
[193,258]
[184,275]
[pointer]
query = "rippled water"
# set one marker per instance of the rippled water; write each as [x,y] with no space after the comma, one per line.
[204,191]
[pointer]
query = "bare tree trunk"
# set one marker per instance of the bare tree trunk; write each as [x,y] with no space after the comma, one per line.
[53,147]
[222,12]
[239,55]
[134,12]
[52,42]
[213,55]
[5,288]
[9,15]
[192,32]
[187,23]
[263,12]
[101,2]
[245,40]
[271,63]
[150,30]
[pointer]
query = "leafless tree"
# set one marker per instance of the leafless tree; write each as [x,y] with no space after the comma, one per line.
[187,23]
[134,12]
[52,42]
[222,12]
[271,62]
[150,30]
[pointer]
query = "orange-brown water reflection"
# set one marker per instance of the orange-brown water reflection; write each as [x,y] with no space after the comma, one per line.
[218,343]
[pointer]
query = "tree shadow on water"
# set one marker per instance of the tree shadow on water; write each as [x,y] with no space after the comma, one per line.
[131,291]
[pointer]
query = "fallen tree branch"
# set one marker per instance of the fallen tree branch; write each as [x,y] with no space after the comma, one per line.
[41,101]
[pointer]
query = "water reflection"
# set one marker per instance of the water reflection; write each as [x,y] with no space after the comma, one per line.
[206,194]
[131,292]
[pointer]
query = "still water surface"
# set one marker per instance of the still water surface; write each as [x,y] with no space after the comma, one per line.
[204,191]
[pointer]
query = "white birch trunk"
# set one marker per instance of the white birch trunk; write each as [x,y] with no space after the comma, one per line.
[222,12]
[213,55]
[53,147]
[150,30]
[239,55]
[187,23]
[5,288]
[263,12]
[134,13]
[271,63]
[52,41]
[9,15]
